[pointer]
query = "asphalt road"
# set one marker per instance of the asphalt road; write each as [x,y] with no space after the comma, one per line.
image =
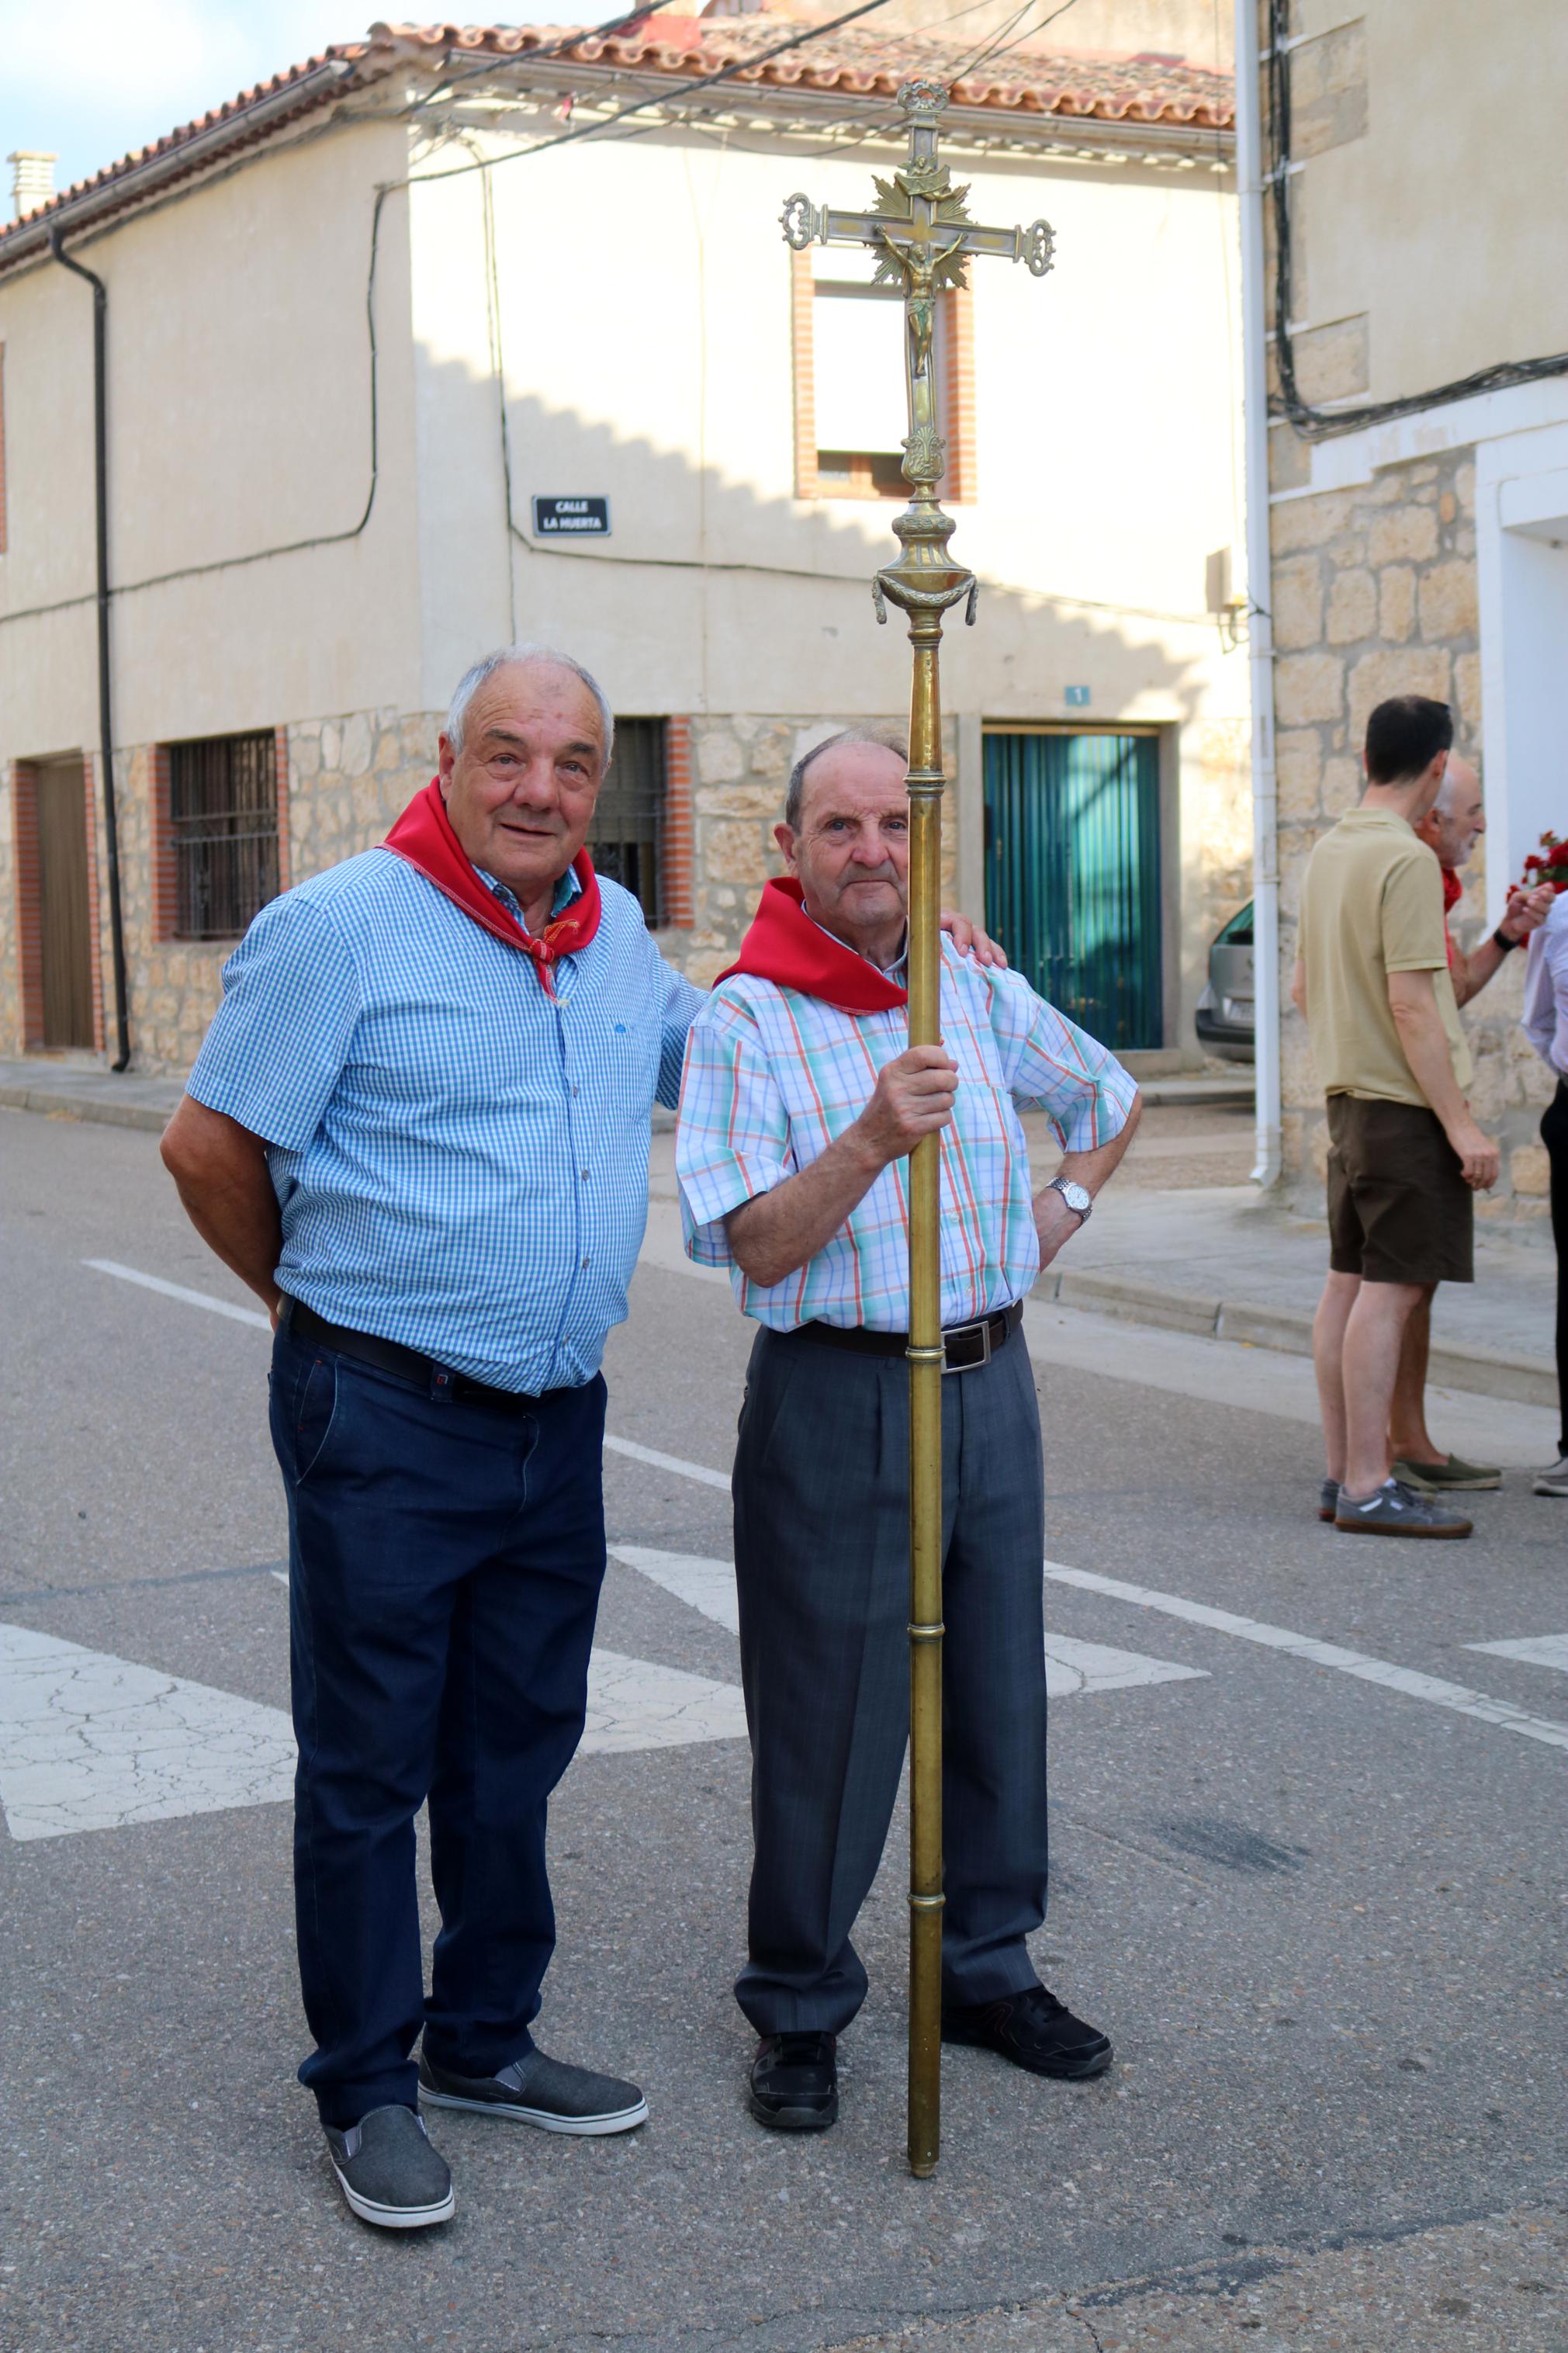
[1319,1908]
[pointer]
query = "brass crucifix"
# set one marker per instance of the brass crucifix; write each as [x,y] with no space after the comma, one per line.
[924,236]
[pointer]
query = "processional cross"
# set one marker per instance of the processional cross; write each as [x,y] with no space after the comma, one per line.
[921,229]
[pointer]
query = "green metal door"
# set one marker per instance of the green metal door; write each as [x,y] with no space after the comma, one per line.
[1072,876]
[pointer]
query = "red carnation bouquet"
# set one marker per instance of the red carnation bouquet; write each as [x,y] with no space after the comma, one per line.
[1550,864]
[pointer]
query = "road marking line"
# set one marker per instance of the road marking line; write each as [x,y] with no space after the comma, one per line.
[708,1586]
[89,1742]
[649,1454]
[1074,1666]
[1432,1688]
[181,1291]
[1071,1666]
[1535,1650]
[632,1704]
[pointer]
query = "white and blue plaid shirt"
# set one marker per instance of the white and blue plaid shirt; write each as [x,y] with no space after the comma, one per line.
[773,1077]
[461,1159]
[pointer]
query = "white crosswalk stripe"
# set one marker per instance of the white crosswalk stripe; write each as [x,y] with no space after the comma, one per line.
[90,1742]
[1535,1650]
[1071,1666]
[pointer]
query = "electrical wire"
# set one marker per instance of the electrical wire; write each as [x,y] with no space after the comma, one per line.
[1320,424]
[656,98]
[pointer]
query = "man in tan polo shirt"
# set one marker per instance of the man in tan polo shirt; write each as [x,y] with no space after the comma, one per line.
[1405,1157]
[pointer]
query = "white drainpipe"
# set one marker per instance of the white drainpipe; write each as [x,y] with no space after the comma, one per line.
[1260,629]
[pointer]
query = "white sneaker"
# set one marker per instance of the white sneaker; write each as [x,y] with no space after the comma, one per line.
[1553,1481]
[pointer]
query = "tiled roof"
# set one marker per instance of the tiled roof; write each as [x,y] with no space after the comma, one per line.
[861,62]
[851,63]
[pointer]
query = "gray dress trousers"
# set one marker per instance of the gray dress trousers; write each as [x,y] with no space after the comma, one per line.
[822,1557]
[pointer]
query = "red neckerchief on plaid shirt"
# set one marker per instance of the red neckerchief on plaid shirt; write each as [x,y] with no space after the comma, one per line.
[786,947]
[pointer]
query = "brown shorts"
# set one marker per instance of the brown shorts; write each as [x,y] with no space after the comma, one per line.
[1399,1210]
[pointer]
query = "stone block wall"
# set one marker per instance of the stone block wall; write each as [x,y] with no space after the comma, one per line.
[1374,593]
[342,782]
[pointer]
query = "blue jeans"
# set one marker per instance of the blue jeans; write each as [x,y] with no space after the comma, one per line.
[444,1565]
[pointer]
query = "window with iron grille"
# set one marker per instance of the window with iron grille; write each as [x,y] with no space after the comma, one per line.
[627,833]
[223,823]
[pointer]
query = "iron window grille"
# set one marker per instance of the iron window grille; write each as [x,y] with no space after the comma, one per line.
[627,837]
[223,817]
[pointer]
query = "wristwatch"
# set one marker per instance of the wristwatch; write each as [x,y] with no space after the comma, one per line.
[1501,939]
[1077,1199]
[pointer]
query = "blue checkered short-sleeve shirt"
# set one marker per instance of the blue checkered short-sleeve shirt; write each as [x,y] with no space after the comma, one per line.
[461,1159]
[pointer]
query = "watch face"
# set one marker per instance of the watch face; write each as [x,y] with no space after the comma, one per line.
[1074,1195]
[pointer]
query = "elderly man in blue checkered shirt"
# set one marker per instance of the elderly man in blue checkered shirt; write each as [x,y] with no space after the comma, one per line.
[418,1129]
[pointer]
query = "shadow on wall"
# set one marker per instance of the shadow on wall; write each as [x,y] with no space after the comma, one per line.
[753,613]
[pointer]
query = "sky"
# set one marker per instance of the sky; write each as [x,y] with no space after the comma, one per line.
[106,76]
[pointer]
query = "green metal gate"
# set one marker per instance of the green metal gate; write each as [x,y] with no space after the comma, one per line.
[1072,875]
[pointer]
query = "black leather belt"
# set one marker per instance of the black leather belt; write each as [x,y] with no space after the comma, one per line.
[965,1346]
[406,1363]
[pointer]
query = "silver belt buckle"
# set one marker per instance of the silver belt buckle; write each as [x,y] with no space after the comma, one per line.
[981,1324]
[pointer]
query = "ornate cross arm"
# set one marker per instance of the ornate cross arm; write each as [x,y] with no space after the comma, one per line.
[807,224]
[921,229]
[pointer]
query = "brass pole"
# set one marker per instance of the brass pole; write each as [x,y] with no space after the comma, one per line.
[920,231]
[925,1355]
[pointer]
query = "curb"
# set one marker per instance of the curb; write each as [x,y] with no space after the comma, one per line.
[1483,1372]
[64,1104]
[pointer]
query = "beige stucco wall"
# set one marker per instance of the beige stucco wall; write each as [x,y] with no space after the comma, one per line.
[238,411]
[1428,222]
[1107,458]
[1107,448]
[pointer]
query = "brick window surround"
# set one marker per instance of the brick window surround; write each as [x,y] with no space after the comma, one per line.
[678,843]
[959,485]
[161,831]
[30,899]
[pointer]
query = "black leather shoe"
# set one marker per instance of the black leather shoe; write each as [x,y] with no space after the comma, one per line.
[1034,2030]
[795,2082]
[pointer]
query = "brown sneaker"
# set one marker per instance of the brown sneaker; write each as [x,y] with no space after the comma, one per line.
[1395,1510]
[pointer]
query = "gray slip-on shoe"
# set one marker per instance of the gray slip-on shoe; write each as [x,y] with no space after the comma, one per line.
[1553,1481]
[1328,1499]
[540,2091]
[1452,1476]
[1395,1510]
[389,2172]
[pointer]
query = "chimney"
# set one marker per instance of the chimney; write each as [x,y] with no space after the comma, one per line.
[32,179]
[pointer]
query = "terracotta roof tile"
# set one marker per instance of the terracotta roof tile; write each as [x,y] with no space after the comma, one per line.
[865,63]
[850,63]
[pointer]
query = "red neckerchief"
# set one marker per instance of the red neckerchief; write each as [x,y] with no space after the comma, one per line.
[423,837]
[784,946]
[1453,891]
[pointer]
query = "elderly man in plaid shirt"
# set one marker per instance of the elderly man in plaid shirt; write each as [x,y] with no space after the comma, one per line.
[799,1103]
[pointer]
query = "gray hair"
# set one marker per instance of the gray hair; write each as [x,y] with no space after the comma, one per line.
[503,657]
[886,738]
[1449,789]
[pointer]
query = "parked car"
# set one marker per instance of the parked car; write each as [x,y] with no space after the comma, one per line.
[1225,1011]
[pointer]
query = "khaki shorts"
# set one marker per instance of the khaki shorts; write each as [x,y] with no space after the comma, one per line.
[1399,1210]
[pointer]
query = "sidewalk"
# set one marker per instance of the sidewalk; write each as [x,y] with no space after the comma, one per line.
[1221,1259]
[78,1086]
